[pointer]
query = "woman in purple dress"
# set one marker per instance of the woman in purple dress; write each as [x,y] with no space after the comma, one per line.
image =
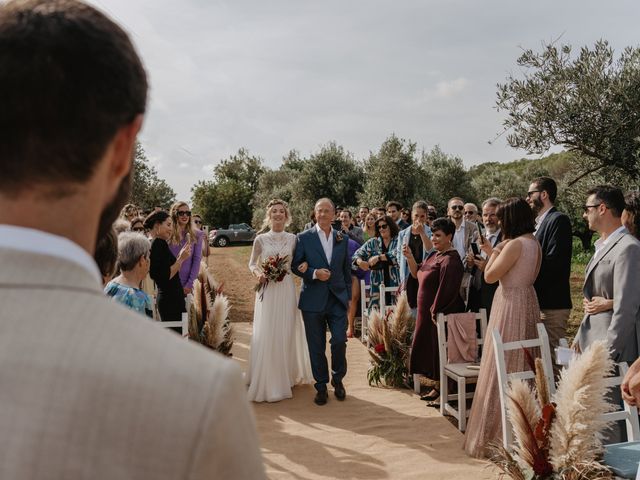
[183,233]
[439,278]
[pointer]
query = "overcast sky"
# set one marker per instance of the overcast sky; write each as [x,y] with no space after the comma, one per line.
[272,75]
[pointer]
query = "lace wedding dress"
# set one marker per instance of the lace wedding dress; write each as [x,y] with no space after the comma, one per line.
[279,352]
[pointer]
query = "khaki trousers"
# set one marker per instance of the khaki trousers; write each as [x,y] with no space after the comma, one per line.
[555,322]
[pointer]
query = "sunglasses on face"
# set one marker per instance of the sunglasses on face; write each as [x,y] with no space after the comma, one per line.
[457,207]
[587,207]
[137,229]
[470,213]
[197,222]
[183,213]
[382,226]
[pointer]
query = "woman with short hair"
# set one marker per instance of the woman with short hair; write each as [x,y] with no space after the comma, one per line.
[133,261]
[439,277]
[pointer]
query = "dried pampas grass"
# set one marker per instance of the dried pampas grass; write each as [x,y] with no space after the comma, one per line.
[376,327]
[576,437]
[524,415]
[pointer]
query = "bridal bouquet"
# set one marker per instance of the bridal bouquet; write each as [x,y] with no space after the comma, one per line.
[275,269]
[559,436]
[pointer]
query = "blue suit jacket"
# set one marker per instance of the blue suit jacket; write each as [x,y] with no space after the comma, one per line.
[315,293]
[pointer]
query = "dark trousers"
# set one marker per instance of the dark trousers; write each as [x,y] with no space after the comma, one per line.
[315,324]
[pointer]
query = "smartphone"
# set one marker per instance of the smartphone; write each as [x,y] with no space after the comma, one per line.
[480,232]
[475,249]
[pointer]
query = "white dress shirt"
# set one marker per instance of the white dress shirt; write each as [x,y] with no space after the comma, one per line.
[540,218]
[458,241]
[600,243]
[327,243]
[39,242]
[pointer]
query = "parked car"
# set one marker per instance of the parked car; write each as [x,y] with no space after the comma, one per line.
[236,233]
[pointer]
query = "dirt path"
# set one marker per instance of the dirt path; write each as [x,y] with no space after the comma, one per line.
[230,265]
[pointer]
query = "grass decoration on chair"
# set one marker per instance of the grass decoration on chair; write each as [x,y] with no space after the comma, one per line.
[560,437]
[209,322]
[390,338]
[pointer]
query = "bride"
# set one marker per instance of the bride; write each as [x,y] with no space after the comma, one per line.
[279,352]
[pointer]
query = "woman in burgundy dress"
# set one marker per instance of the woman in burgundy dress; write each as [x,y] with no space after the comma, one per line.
[439,278]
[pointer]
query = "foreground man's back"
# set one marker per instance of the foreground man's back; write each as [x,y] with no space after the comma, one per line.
[89,389]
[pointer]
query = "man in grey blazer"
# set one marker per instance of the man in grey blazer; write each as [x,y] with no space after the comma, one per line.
[88,388]
[612,273]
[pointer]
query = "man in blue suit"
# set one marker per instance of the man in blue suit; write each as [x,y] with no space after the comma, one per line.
[321,259]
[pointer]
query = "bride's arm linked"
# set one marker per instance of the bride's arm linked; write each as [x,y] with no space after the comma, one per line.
[256,254]
[502,259]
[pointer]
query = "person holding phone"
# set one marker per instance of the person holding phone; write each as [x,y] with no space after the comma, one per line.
[481,293]
[184,233]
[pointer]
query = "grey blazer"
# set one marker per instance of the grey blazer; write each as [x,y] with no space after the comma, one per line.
[90,389]
[614,273]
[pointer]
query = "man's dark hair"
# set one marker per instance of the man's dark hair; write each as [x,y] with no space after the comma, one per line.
[69,79]
[364,206]
[348,211]
[611,196]
[444,225]
[393,226]
[421,204]
[155,218]
[547,184]
[394,203]
[516,218]
[106,253]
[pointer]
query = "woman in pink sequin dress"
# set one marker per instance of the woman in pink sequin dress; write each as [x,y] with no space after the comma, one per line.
[515,263]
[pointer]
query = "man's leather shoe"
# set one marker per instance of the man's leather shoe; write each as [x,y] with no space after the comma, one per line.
[321,397]
[338,390]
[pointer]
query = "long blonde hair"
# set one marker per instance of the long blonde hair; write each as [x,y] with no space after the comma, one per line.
[266,223]
[176,236]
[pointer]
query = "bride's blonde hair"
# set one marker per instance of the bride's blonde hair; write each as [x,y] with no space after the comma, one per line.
[266,224]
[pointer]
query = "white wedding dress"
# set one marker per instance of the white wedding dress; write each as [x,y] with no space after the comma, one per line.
[279,352]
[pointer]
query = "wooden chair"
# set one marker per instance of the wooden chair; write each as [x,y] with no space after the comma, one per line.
[504,378]
[623,458]
[461,373]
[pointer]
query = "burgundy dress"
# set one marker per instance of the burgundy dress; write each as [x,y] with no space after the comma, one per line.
[439,280]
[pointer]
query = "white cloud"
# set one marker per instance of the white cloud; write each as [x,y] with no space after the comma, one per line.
[447,89]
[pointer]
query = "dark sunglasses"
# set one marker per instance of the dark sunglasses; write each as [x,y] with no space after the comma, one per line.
[185,213]
[529,194]
[382,226]
[457,207]
[137,229]
[197,222]
[470,212]
[587,207]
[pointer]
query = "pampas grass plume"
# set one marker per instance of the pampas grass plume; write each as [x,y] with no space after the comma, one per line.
[580,402]
[523,414]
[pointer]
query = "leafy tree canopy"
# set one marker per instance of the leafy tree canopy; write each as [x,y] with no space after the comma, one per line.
[148,190]
[588,103]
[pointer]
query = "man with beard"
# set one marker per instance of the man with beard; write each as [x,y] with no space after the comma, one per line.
[90,389]
[481,293]
[553,231]
[466,233]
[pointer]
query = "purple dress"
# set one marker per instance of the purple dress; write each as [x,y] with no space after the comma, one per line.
[191,266]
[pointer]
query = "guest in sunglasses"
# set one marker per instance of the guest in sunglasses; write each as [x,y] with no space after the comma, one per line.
[183,233]
[197,221]
[378,254]
[466,233]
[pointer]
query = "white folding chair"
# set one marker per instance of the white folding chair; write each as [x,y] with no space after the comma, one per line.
[504,378]
[458,372]
[365,299]
[623,458]
[384,308]
[182,324]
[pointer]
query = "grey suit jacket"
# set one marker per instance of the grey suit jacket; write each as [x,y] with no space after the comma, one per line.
[614,273]
[92,390]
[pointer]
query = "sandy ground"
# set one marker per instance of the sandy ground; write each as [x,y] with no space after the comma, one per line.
[376,433]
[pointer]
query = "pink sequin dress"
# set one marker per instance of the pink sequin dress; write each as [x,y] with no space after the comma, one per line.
[514,313]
